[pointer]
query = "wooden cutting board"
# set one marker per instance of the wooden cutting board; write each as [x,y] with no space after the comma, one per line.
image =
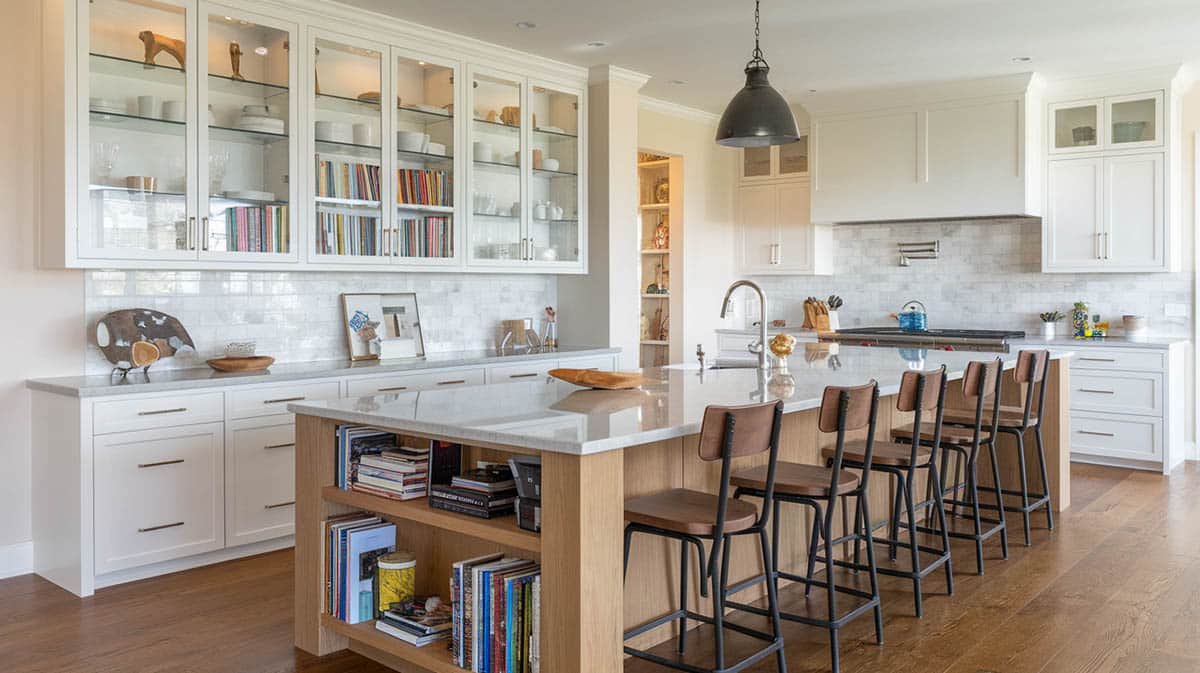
[250,364]
[590,378]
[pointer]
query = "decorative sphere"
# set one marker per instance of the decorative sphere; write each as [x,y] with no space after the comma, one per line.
[782,345]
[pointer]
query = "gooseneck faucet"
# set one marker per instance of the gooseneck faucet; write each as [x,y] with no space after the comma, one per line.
[759,348]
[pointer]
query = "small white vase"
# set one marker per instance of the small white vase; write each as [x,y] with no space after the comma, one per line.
[1049,330]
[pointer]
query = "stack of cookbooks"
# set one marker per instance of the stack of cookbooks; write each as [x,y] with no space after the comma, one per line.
[485,492]
[419,622]
[400,473]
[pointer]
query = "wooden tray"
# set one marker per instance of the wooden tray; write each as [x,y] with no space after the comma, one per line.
[590,378]
[250,364]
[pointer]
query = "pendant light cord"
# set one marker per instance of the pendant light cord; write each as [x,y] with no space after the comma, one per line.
[757,61]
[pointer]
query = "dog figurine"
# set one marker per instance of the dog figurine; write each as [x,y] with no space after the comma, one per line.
[156,43]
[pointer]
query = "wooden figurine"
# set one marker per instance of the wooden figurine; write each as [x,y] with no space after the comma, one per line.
[235,61]
[662,234]
[136,338]
[510,115]
[316,72]
[156,43]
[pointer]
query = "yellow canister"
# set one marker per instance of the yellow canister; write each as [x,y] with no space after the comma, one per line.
[395,579]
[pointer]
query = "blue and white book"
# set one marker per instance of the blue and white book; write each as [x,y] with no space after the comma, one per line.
[364,547]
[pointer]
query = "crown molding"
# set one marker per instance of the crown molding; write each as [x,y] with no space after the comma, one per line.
[600,74]
[676,110]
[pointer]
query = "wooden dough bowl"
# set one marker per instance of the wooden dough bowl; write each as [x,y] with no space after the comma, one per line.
[250,364]
[590,378]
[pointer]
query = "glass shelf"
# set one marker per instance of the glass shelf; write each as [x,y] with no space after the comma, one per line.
[234,135]
[555,221]
[426,116]
[497,166]
[348,149]
[424,208]
[103,64]
[135,123]
[497,126]
[556,135]
[498,216]
[543,173]
[129,191]
[332,103]
[345,203]
[424,156]
[245,87]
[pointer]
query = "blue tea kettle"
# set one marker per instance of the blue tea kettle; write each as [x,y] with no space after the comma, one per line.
[912,317]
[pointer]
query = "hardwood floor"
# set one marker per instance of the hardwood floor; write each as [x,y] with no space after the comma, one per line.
[1115,588]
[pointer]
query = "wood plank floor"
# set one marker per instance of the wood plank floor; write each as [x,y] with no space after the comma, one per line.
[1115,588]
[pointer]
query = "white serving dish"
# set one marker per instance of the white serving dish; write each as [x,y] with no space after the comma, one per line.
[436,148]
[249,195]
[550,164]
[259,123]
[411,141]
[334,132]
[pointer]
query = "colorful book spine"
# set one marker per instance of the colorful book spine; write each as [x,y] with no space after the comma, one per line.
[344,234]
[422,187]
[432,236]
[347,180]
[256,229]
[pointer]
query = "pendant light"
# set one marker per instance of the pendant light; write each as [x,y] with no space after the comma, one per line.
[758,115]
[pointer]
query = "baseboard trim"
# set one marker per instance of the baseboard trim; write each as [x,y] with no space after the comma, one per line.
[16,559]
[189,562]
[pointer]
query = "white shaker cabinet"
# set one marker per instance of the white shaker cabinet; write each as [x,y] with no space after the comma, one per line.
[775,233]
[1073,219]
[1134,227]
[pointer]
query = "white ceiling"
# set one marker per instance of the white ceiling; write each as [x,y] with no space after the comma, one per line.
[825,44]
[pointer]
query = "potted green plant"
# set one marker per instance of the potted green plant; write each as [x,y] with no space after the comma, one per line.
[1050,323]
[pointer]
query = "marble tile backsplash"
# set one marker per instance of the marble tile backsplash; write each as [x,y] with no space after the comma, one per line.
[296,316]
[988,276]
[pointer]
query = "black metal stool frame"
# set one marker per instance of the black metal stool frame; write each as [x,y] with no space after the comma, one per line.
[716,570]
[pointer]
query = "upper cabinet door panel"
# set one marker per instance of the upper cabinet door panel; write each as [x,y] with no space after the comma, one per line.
[1075,126]
[1134,121]
[795,232]
[554,187]
[974,159]
[1133,211]
[1073,223]
[793,158]
[758,231]
[866,167]
[137,150]
[497,137]
[756,162]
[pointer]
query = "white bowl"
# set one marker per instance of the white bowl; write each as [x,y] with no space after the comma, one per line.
[240,349]
[436,148]
[411,141]
[335,132]
[365,134]
[550,164]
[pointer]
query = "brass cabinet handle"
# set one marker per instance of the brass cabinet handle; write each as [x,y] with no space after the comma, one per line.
[286,445]
[279,504]
[390,389]
[160,463]
[450,383]
[157,412]
[1098,434]
[165,525]
[522,376]
[1097,390]
[1082,359]
[284,399]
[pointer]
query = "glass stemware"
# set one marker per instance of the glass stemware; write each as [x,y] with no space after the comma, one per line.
[104,160]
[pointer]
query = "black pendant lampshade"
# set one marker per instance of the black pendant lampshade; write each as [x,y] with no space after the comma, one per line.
[758,115]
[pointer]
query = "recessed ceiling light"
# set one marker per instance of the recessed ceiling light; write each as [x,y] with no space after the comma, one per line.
[420,62]
[526,25]
[597,44]
[1022,59]
[676,82]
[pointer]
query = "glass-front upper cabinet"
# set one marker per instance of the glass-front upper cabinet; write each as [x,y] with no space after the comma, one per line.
[139,170]
[348,222]
[423,229]
[248,122]
[776,162]
[497,190]
[756,162]
[1134,121]
[554,187]
[1075,126]
[793,158]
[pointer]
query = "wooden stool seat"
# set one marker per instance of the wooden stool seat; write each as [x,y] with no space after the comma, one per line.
[689,512]
[885,453]
[1010,416]
[950,435]
[797,479]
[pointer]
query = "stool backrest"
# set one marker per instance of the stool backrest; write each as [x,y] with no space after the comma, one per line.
[921,393]
[730,432]
[845,409]
[981,383]
[1031,373]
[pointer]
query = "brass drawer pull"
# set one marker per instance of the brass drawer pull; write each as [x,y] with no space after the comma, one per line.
[1097,390]
[165,525]
[391,389]
[1098,434]
[280,504]
[522,376]
[451,383]
[1082,359]
[284,399]
[158,412]
[280,446]
[160,463]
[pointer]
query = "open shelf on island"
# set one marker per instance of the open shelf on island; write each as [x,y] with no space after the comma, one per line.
[502,530]
[434,657]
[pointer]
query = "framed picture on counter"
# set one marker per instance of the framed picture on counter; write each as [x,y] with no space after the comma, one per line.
[382,326]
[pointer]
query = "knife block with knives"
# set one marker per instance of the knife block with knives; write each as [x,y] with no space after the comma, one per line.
[816,313]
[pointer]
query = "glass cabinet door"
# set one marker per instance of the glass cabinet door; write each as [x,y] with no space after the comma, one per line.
[497,234]
[425,149]
[793,158]
[554,203]
[348,221]
[1135,121]
[1075,126]
[138,101]
[756,162]
[248,122]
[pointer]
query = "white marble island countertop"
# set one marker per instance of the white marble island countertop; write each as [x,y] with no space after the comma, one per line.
[552,415]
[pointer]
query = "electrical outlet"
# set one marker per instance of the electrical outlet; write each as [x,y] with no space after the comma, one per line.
[1175,310]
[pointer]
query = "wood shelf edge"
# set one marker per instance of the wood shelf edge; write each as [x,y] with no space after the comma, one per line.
[435,657]
[502,530]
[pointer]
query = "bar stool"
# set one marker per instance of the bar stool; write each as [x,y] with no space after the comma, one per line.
[693,516]
[981,383]
[921,393]
[1016,421]
[842,410]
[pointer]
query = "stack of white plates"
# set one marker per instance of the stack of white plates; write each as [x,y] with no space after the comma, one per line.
[335,132]
[260,123]
[107,105]
[249,195]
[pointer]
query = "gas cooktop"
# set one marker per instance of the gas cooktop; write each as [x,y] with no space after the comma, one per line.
[950,339]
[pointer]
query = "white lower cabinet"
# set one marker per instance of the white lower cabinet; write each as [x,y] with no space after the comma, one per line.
[159,495]
[1116,436]
[260,496]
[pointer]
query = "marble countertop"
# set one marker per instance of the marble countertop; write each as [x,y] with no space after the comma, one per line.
[552,415]
[199,378]
[753,331]
[1151,341]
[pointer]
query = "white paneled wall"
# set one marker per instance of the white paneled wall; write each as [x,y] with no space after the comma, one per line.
[988,276]
[296,316]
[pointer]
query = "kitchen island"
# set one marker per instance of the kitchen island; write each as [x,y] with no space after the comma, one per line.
[597,448]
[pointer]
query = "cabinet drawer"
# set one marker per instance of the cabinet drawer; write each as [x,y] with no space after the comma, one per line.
[260,484]
[1132,437]
[159,495]
[399,383]
[599,363]
[157,412]
[1118,392]
[526,371]
[274,399]
[1095,358]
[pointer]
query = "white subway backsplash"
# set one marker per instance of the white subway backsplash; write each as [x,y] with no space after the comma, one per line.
[988,276]
[296,316]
